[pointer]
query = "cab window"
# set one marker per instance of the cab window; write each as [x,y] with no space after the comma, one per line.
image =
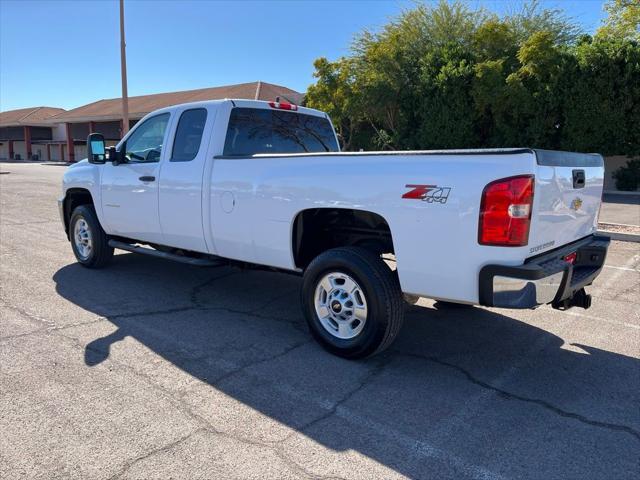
[189,135]
[145,142]
[257,130]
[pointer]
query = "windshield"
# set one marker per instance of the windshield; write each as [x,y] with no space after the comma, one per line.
[256,130]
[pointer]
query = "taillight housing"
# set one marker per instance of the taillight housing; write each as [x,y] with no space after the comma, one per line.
[505,212]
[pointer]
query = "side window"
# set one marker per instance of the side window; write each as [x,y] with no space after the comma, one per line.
[145,143]
[189,135]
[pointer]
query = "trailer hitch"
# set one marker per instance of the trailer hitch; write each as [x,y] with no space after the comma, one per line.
[579,299]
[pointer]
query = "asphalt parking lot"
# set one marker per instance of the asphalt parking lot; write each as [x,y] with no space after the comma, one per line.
[151,369]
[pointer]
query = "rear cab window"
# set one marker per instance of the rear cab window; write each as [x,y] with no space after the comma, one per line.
[186,143]
[253,131]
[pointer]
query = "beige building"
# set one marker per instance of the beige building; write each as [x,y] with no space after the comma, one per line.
[27,134]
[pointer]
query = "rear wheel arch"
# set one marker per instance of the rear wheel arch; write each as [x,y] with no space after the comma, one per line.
[317,230]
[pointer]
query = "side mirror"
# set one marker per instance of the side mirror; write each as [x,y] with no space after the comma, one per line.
[113,156]
[96,152]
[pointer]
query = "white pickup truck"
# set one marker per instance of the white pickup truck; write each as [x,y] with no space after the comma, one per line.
[264,183]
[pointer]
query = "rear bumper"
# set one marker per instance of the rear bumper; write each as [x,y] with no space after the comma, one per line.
[547,278]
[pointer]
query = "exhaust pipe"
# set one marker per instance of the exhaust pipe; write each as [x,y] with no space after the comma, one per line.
[579,299]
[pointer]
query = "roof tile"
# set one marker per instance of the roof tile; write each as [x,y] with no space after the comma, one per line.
[139,106]
[28,116]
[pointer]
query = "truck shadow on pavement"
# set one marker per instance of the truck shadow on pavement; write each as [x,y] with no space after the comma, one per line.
[464,392]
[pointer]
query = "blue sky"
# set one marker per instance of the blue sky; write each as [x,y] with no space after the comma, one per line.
[66,53]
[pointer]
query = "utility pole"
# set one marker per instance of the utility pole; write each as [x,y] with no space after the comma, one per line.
[123,70]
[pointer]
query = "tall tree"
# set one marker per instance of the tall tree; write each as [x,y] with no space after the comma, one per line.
[449,76]
[623,20]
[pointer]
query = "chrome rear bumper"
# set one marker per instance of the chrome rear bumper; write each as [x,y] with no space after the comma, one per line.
[511,292]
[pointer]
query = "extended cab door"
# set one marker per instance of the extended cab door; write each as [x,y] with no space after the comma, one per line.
[181,179]
[130,189]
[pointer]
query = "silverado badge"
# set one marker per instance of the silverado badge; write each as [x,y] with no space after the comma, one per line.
[428,193]
[576,204]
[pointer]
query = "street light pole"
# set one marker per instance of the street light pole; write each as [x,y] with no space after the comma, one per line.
[123,70]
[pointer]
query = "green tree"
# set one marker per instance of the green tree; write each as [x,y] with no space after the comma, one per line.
[392,66]
[602,98]
[445,99]
[448,76]
[623,20]
[532,18]
[335,92]
[533,106]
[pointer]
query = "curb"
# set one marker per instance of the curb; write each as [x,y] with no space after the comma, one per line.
[623,237]
[629,225]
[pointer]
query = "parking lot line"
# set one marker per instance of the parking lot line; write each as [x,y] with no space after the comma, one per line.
[626,269]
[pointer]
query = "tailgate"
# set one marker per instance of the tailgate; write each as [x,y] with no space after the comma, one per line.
[566,200]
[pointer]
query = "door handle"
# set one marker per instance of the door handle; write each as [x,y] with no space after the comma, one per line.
[148,178]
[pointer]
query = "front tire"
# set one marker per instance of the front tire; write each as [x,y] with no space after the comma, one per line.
[352,302]
[89,242]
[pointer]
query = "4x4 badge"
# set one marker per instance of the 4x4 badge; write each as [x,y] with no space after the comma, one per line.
[427,193]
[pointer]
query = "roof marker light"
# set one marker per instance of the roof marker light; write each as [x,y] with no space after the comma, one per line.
[283,106]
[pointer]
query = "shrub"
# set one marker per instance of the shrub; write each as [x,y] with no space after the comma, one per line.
[450,76]
[628,176]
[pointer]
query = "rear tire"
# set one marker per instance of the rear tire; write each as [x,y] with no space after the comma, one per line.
[352,302]
[89,242]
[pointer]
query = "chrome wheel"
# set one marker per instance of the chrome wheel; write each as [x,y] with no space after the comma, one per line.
[341,305]
[82,238]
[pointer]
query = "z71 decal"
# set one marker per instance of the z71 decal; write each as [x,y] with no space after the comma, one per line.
[428,193]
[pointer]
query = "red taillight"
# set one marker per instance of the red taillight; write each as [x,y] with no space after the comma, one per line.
[283,105]
[505,212]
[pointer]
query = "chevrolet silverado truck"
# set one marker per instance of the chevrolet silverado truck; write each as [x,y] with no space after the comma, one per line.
[265,184]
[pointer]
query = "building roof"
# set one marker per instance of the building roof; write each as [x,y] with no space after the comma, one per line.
[28,116]
[111,109]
